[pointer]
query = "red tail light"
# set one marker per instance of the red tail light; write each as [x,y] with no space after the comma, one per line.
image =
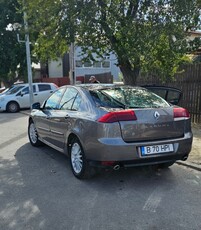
[181,112]
[123,115]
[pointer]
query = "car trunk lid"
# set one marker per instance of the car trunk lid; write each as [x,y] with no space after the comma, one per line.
[152,124]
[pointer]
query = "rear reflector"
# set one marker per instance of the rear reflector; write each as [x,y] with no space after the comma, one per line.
[107,163]
[181,112]
[123,115]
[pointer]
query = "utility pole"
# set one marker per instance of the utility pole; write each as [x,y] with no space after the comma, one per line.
[72,64]
[28,60]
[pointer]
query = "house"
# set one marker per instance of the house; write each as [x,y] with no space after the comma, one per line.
[105,69]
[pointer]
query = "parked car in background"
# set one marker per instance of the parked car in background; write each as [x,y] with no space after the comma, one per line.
[111,126]
[2,89]
[170,94]
[17,96]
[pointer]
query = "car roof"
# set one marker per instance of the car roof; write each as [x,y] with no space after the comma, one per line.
[34,83]
[103,86]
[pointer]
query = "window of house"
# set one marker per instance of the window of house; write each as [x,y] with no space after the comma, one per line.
[87,64]
[97,64]
[106,64]
[78,63]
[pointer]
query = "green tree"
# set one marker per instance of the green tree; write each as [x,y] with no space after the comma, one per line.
[145,35]
[12,53]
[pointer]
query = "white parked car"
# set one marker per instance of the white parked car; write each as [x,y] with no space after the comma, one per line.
[18,96]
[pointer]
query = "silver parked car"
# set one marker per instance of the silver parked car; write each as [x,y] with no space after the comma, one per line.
[111,126]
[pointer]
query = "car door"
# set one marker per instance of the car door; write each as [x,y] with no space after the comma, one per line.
[44,116]
[64,117]
[23,97]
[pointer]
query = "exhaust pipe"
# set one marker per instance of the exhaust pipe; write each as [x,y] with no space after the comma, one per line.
[185,158]
[116,167]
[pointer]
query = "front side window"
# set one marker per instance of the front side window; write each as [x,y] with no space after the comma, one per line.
[54,99]
[26,90]
[14,89]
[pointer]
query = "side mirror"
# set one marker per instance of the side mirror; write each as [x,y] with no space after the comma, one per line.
[22,94]
[36,105]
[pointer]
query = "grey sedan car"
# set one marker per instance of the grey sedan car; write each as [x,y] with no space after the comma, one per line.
[111,126]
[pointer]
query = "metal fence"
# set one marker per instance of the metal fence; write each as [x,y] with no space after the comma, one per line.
[189,81]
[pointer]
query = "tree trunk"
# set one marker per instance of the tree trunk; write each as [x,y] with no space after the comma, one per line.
[129,76]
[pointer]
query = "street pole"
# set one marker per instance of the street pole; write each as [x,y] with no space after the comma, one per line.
[72,64]
[28,60]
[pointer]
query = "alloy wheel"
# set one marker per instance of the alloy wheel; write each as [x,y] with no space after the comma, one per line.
[76,158]
[33,133]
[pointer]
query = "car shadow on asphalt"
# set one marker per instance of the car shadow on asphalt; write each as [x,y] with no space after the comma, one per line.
[48,161]
[39,188]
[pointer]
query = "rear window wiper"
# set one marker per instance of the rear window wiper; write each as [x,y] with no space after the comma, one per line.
[118,102]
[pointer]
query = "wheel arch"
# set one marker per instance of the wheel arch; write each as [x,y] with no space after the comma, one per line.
[30,119]
[13,101]
[69,140]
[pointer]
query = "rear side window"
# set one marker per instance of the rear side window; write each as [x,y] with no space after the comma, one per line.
[68,99]
[44,87]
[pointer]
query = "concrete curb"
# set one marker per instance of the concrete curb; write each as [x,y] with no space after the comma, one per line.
[25,112]
[189,165]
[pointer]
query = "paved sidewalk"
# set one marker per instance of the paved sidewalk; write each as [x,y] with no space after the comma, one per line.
[194,159]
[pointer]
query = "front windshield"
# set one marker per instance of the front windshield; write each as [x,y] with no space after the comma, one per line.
[128,97]
[13,89]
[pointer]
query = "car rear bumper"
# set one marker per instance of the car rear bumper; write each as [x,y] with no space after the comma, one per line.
[138,162]
[117,150]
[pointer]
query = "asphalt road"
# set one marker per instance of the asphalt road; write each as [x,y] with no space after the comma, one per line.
[38,191]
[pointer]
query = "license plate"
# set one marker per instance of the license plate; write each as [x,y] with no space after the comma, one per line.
[155,149]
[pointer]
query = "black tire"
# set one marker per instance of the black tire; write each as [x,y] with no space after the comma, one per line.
[79,164]
[166,165]
[33,135]
[12,107]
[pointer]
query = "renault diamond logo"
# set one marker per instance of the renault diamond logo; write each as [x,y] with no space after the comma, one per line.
[156,115]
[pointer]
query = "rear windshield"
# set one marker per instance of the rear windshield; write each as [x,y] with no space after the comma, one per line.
[127,97]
